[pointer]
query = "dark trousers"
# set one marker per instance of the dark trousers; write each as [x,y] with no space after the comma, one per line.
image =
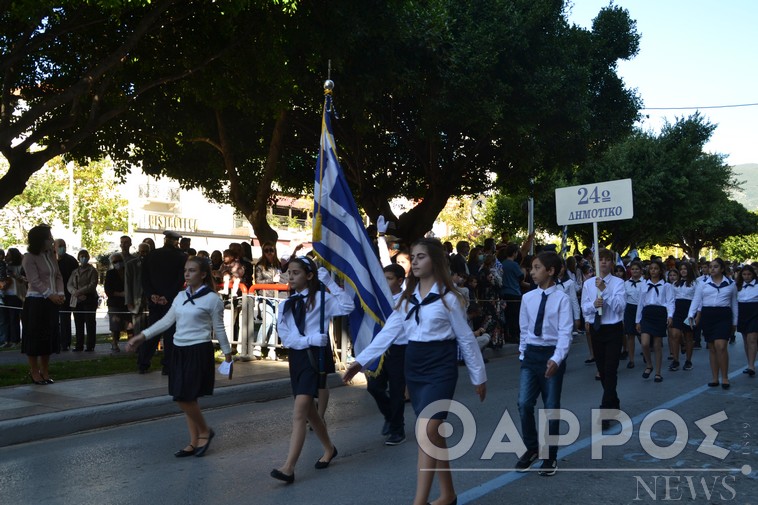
[84,319]
[14,318]
[392,404]
[512,309]
[146,351]
[606,345]
[64,320]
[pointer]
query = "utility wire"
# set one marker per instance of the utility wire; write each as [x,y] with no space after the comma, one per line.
[703,107]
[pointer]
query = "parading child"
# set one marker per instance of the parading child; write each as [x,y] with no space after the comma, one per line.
[302,328]
[546,319]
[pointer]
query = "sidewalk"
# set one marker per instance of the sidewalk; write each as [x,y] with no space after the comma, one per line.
[29,412]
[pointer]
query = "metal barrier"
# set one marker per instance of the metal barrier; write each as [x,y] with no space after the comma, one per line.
[255,319]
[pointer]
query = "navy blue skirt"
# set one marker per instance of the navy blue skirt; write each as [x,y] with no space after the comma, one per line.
[716,323]
[630,314]
[431,372]
[191,372]
[747,317]
[305,369]
[681,309]
[39,330]
[654,320]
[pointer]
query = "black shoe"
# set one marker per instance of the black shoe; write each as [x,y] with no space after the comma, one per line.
[40,382]
[386,428]
[548,468]
[725,385]
[289,479]
[687,366]
[181,453]
[674,366]
[395,439]
[630,364]
[200,451]
[320,465]
[751,373]
[589,361]
[526,460]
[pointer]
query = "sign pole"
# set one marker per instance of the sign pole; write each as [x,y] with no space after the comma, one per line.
[597,261]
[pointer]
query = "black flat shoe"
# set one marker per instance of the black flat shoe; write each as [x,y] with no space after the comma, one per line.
[40,382]
[289,479]
[713,384]
[725,385]
[200,451]
[323,464]
[751,373]
[183,454]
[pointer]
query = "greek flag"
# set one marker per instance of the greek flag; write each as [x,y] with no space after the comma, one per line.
[342,244]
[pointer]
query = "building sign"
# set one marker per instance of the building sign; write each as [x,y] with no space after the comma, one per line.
[160,222]
[595,202]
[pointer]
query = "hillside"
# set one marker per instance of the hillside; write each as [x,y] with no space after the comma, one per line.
[747,195]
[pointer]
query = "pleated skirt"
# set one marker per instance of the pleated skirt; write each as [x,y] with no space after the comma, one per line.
[191,373]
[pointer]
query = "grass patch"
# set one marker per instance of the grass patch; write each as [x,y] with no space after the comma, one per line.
[12,375]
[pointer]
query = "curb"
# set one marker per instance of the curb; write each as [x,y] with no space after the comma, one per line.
[68,422]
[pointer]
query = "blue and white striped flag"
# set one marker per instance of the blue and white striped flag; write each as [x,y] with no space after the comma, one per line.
[342,244]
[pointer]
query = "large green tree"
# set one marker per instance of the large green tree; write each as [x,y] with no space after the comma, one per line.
[94,208]
[434,100]
[68,68]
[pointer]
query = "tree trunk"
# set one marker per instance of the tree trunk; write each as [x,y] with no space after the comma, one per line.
[263,231]
[20,169]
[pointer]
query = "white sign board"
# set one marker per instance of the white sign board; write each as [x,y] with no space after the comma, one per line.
[595,202]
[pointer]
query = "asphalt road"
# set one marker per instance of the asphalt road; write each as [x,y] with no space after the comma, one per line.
[133,463]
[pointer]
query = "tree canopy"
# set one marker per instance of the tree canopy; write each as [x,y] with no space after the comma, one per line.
[681,193]
[435,99]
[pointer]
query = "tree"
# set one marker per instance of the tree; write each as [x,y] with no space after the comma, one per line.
[97,207]
[43,201]
[434,99]
[70,68]
[740,248]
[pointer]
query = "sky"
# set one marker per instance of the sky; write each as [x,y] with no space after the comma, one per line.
[694,53]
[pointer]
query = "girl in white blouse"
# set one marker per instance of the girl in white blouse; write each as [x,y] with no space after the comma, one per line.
[654,315]
[714,308]
[431,314]
[632,290]
[680,333]
[302,324]
[747,322]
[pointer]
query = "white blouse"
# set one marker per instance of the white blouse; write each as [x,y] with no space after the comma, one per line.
[336,303]
[632,291]
[748,293]
[709,294]
[444,319]
[569,287]
[685,292]
[663,297]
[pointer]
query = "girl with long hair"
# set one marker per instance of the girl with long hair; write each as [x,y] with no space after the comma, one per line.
[654,315]
[680,333]
[747,322]
[431,313]
[714,308]
[198,313]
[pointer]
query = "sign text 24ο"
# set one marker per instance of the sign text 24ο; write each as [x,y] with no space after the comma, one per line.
[594,202]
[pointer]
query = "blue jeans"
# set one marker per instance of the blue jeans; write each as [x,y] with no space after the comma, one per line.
[533,384]
[267,330]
